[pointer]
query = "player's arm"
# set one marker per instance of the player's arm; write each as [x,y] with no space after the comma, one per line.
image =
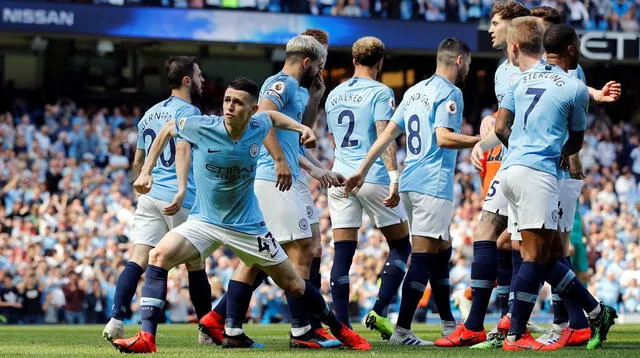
[384,139]
[326,177]
[315,97]
[284,178]
[577,124]
[610,92]
[502,129]
[391,163]
[144,181]
[138,162]
[284,122]
[447,138]
[183,164]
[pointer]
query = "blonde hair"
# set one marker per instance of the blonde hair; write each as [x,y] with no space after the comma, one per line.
[367,51]
[303,46]
[528,32]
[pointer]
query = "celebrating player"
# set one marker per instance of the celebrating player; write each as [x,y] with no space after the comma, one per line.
[357,112]
[225,154]
[431,116]
[167,204]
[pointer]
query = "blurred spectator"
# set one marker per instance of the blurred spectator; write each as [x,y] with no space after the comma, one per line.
[74,295]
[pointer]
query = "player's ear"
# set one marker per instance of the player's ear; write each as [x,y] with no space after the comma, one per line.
[354,62]
[306,63]
[254,108]
[186,81]
[460,60]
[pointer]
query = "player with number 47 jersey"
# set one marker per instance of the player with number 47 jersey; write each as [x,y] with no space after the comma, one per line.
[430,115]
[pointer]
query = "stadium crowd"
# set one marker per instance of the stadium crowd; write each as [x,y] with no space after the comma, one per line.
[618,15]
[67,205]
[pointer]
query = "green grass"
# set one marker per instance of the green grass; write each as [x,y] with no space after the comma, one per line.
[181,341]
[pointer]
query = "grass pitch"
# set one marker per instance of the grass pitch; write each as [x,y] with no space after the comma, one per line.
[178,340]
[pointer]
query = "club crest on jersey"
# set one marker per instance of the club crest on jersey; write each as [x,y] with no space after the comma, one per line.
[392,103]
[555,215]
[303,224]
[279,87]
[452,108]
[253,150]
[309,211]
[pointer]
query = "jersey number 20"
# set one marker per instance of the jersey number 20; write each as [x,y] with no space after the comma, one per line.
[172,148]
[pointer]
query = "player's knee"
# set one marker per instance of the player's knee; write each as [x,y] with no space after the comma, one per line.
[157,256]
[295,287]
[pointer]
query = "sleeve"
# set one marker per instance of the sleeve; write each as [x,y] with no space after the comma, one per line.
[277,90]
[398,115]
[187,128]
[449,111]
[384,105]
[508,101]
[264,121]
[578,119]
[140,141]
[187,111]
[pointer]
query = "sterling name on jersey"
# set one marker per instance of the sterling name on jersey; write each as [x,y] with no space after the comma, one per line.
[291,99]
[547,102]
[430,104]
[352,109]
[165,183]
[225,171]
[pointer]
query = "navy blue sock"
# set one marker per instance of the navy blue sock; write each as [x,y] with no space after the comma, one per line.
[577,318]
[200,292]
[317,306]
[154,295]
[483,274]
[299,309]
[342,258]
[504,275]
[516,261]
[239,297]
[392,273]
[125,289]
[525,287]
[413,286]
[316,280]
[560,314]
[221,306]
[569,288]
[440,285]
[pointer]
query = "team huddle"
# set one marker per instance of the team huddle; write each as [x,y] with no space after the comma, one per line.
[235,180]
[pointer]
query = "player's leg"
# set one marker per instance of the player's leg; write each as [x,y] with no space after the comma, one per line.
[393,224]
[504,271]
[314,271]
[188,243]
[346,218]
[149,228]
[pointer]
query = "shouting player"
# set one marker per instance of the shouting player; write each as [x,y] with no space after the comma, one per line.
[357,112]
[431,116]
[167,204]
[225,155]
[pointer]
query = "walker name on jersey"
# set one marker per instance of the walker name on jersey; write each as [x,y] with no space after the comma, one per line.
[347,97]
[231,173]
[556,78]
[162,115]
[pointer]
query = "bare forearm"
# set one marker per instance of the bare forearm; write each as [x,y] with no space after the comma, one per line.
[489,142]
[158,147]
[183,163]
[311,158]
[452,140]
[284,122]
[389,155]
[379,146]
[311,112]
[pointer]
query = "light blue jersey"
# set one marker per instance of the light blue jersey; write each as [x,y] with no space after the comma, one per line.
[504,78]
[352,109]
[430,104]
[165,183]
[291,99]
[225,171]
[547,103]
[578,73]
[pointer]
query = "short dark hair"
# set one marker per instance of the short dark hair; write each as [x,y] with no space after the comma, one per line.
[509,10]
[367,51]
[247,85]
[450,48]
[547,14]
[178,67]
[320,35]
[558,37]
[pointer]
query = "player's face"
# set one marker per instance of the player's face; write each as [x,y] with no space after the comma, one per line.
[238,106]
[498,32]
[311,69]
[574,56]
[196,81]
[512,51]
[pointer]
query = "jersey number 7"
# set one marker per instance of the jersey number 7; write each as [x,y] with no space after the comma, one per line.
[537,93]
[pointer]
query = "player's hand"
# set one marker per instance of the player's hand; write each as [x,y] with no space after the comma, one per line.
[317,87]
[175,205]
[326,177]
[575,167]
[393,199]
[564,162]
[284,178]
[353,184]
[477,155]
[308,138]
[611,92]
[143,183]
[486,126]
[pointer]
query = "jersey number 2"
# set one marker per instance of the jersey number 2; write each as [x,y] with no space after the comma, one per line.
[172,148]
[537,93]
[346,142]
